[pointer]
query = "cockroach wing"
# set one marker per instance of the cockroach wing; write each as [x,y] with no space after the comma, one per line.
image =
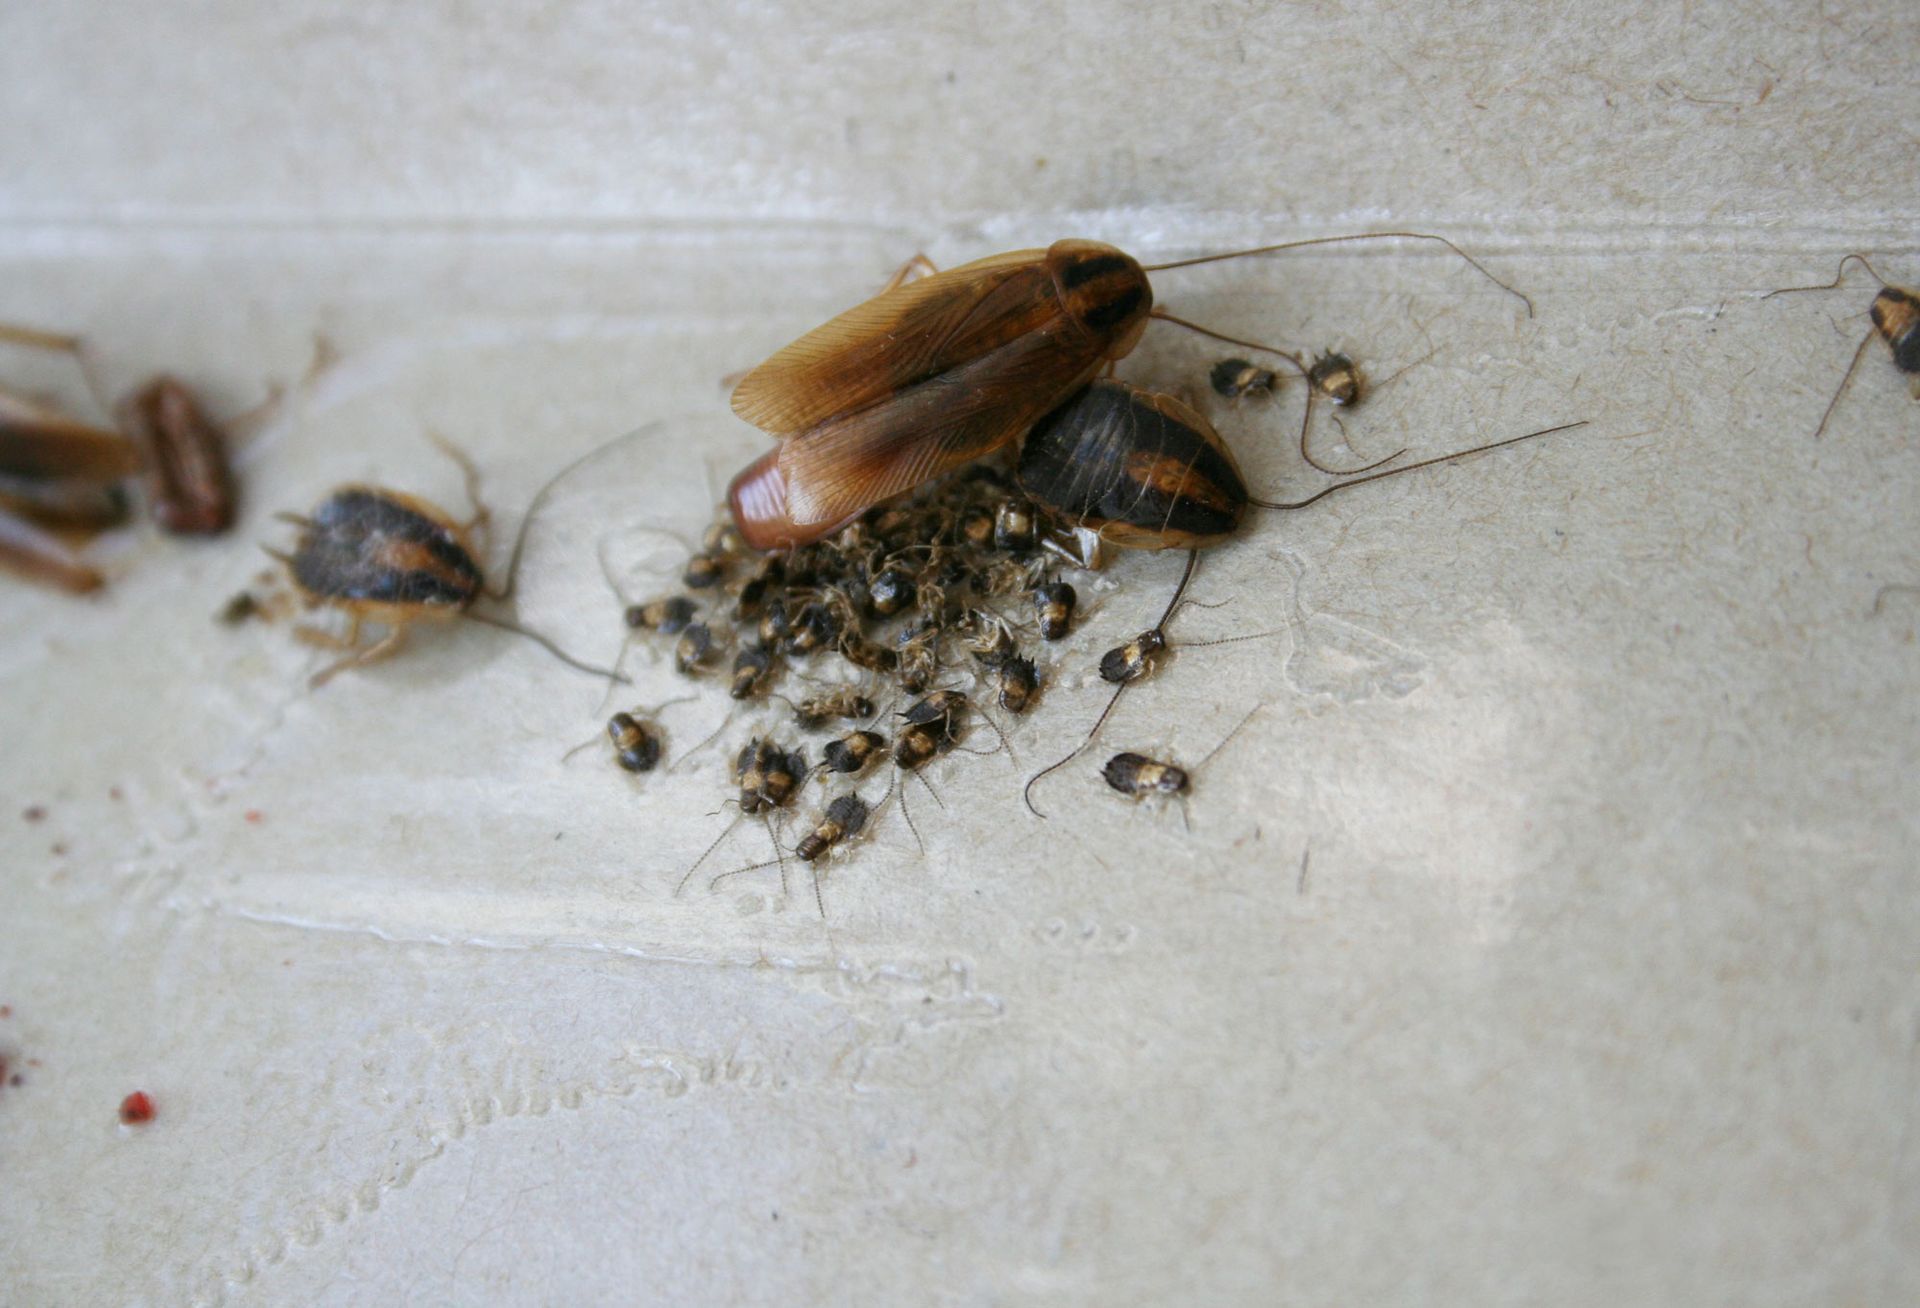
[896,340]
[852,463]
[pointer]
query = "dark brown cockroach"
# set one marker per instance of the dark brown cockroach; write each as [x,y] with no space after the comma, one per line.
[1121,466]
[1234,378]
[1017,681]
[932,374]
[669,617]
[767,775]
[867,654]
[814,628]
[1337,377]
[853,752]
[775,625]
[189,481]
[891,591]
[917,661]
[396,560]
[636,746]
[1053,605]
[750,669]
[976,528]
[1896,320]
[845,816]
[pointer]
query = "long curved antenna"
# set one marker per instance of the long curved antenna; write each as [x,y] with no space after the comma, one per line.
[1845,381]
[1840,275]
[1413,467]
[738,817]
[551,648]
[540,496]
[1336,240]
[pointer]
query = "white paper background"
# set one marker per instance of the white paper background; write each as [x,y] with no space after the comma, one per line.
[1601,984]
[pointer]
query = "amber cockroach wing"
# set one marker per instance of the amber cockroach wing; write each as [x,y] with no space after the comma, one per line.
[925,377]
[1142,470]
[378,549]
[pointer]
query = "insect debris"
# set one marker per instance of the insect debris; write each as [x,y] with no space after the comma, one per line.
[1234,378]
[1895,312]
[395,560]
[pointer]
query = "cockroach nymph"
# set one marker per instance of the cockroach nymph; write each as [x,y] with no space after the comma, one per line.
[1896,320]
[933,374]
[1136,774]
[636,746]
[891,591]
[750,668]
[842,702]
[704,571]
[1337,377]
[189,482]
[1013,527]
[394,559]
[692,650]
[1233,378]
[845,816]
[669,617]
[1053,604]
[1018,680]
[853,752]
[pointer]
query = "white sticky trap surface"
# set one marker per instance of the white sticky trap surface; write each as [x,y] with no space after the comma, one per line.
[1548,937]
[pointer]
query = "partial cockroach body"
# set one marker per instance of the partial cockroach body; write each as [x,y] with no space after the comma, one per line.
[704,571]
[66,502]
[891,591]
[991,641]
[932,374]
[636,746]
[1895,312]
[189,482]
[1336,377]
[45,444]
[693,650]
[1133,660]
[767,775]
[750,668]
[844,818]
[1013,527]
[841,702]
[1233,378]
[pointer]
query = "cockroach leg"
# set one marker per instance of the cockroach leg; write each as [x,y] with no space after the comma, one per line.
[918,266]
[387,646]
[1891,588]
[34,554]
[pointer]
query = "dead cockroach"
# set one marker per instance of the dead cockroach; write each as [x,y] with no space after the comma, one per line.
[934,373]
[991,640]
[1896,320]
[1017,680]
[841,702]
[1053,604]
[189,482]
[853,751]
[1233,378]
[1337,377]
[918,658]
[394,559]
[669,617]
[750,668]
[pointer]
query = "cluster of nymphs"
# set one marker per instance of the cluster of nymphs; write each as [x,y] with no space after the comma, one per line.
[951,586]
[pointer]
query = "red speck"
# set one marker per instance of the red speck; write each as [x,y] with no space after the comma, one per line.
[6,1010]
[113,792]
[59,849]
[255,816]
[136,1108]
[34,812]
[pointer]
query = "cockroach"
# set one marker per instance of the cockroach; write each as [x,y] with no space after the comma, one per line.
[853,752]
[669,617]
[1017,681]
[692,651]
[722,541]
[1138,776]
[775,625]
[394,559]
[1233,378]
[767,775]
[841,702]
[917,661]
[845,816]
[891,591]
[1122,466]
[864,653]
[1053,605]
[636,746]
[42,443]
[1896,320]
[704,571]
[1013,527]
[991,641]
[814,628]
[932,374]
[750,668]
[1337,377]
[189,481]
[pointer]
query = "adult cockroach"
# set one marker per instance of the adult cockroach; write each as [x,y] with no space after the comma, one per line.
[931,374]
[189,483]
[1896,320]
